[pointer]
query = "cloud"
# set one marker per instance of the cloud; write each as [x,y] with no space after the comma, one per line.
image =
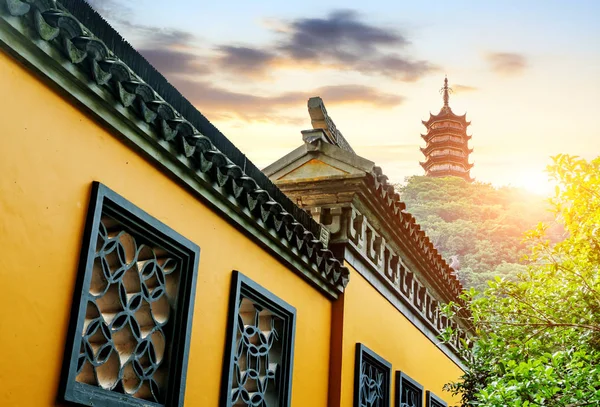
[175,53]
[351,94]
[171,51]
[341,40]
[173,62]
[464,88]
[244,60]
[344,40]
[225,104]
[341,35]
[506,63]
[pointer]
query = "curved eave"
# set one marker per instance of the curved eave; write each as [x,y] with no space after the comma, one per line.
[430,147]
[447,159]
[428,164]
[442,131]
[446,115]
[441,271]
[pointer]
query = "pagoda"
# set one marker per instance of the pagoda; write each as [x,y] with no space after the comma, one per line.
[447,151]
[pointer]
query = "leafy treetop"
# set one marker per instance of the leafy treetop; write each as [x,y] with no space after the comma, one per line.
[537,339]
[478,228]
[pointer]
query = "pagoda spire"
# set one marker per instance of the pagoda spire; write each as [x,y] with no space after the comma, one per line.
[446,91]
[447,150]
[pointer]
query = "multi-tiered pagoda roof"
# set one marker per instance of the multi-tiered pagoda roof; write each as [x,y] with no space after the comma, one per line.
[447,151]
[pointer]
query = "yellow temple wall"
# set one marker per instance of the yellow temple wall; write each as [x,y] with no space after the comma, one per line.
[50,152]
[368,318]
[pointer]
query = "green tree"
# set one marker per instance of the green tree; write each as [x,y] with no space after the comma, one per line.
[475,223]
[537,339]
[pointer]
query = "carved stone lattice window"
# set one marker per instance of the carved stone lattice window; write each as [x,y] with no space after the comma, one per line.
[431,400]
[260,347]
[372,376]
[409,393]
[129,335]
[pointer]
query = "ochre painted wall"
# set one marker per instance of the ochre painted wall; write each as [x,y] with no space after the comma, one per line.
[50,153]
[370,319]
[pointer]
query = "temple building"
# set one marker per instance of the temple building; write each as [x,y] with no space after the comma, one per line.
[447,151]
[146,262]
[367,227]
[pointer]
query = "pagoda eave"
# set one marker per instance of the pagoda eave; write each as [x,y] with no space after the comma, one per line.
[446,114]
[442,131]
[448,159]
[447,144]
[428,165]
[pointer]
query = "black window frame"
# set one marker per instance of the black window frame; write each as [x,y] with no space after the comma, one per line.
[104,201]
[364,353]
[402,379]
[431,400]
[243,286]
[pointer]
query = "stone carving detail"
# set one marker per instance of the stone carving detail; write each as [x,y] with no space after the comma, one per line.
[408,391]
[410,397]
[256,357]
[130,298]
[321,120]
[134,294]
[389,263]
[371,386]
[261,348]
[372,379]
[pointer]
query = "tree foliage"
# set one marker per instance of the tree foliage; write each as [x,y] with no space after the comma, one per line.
[537,339]
[480,226]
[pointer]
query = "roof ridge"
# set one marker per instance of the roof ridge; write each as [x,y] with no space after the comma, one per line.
[122,49]
[391,199]
[54,22]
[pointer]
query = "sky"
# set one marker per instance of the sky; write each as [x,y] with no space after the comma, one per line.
[526,73]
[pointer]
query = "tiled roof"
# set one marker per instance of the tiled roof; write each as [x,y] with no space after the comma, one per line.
[441,274]
[446,114]
[90,43]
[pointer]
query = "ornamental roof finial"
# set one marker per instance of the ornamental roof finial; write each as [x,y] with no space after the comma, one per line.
[446,91]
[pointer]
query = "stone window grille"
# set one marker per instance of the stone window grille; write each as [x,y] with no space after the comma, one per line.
[409,393]
[129,335]
[259,350]
[372,376]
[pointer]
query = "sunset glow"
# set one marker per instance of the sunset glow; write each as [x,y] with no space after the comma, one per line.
[526,74]
[536,182]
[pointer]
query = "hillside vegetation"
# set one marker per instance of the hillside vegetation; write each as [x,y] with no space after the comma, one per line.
[478,228]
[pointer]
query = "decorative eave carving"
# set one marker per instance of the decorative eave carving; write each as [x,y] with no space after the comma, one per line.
[450,144]
[363,212]
[446,115]
[54,24]
[446,159]
[321,120]
[372,186]
[441,131]
[442,273]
